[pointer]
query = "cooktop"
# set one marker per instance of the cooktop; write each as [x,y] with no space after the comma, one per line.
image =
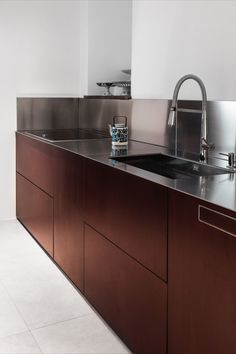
[68,134]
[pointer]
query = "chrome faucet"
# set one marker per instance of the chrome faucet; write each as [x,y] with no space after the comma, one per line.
[204,145]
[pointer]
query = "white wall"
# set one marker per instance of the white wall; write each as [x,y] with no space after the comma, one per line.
[174,38]
[109,41]
[39,45]
[83,42]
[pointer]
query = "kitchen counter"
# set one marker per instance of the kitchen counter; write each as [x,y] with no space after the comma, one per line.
[217,189]
[166,246]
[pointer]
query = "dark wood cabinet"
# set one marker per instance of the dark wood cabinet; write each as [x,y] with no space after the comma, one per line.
[130,211]
[68,217]
[201,277]
[108,231]
[129,297]
[34,160]
[57,173]
[34,208]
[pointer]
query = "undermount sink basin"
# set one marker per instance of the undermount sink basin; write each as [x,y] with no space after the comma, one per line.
[171,166]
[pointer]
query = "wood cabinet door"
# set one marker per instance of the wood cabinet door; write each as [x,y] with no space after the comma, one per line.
[34,208]
[34,160]
[68,218]
[201,277]
[130,211]
[129,297]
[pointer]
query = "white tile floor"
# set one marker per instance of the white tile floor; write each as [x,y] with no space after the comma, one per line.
[40,311]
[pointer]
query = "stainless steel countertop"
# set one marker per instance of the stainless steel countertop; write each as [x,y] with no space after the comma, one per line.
[218,189]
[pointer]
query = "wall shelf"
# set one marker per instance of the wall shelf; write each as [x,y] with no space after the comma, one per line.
[120,97]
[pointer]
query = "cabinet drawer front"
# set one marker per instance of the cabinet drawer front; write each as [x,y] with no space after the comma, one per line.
[201,278]
[217,220]
[34,161]
[131,212]
[34,209]
[129,297]
[68,218]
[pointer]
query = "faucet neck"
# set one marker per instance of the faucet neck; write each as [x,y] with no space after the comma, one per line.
[179,84]
[173,111]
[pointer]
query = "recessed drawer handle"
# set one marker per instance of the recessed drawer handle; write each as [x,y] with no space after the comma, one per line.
[217,220]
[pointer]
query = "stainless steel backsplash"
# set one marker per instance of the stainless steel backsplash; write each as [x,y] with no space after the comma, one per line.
[98,113]
[148,122]
[47,113]
[147,119]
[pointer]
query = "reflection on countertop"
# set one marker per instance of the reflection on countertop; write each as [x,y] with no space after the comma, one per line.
[217,189]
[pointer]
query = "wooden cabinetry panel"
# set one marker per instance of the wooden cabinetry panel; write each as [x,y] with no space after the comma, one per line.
[68,218]
[130,211]
[129,297]
[34,209]
[201,278]
[34,160]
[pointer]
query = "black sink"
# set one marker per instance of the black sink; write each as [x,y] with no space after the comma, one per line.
[171,166]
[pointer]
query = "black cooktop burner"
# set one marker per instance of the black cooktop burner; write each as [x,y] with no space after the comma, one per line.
[68,134]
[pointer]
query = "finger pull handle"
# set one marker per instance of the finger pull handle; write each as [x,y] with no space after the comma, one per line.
[217,220]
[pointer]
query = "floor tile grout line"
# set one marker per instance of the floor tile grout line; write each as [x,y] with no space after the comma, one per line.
[48,324]
[36,341]
[22,317]
[78,317]
[16,307]
[66,320]
[14,334]
[30,330]
[34,329]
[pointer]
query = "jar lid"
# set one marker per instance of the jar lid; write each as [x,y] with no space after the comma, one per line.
[120,125]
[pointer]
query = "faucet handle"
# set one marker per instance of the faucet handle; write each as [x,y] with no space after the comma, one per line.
[231,159]
[211,146]
[207,146]
[171,119]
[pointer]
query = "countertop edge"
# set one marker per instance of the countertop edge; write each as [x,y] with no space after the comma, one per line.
[149,176]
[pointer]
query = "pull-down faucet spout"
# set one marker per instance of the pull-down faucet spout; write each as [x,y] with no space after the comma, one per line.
[204,145]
